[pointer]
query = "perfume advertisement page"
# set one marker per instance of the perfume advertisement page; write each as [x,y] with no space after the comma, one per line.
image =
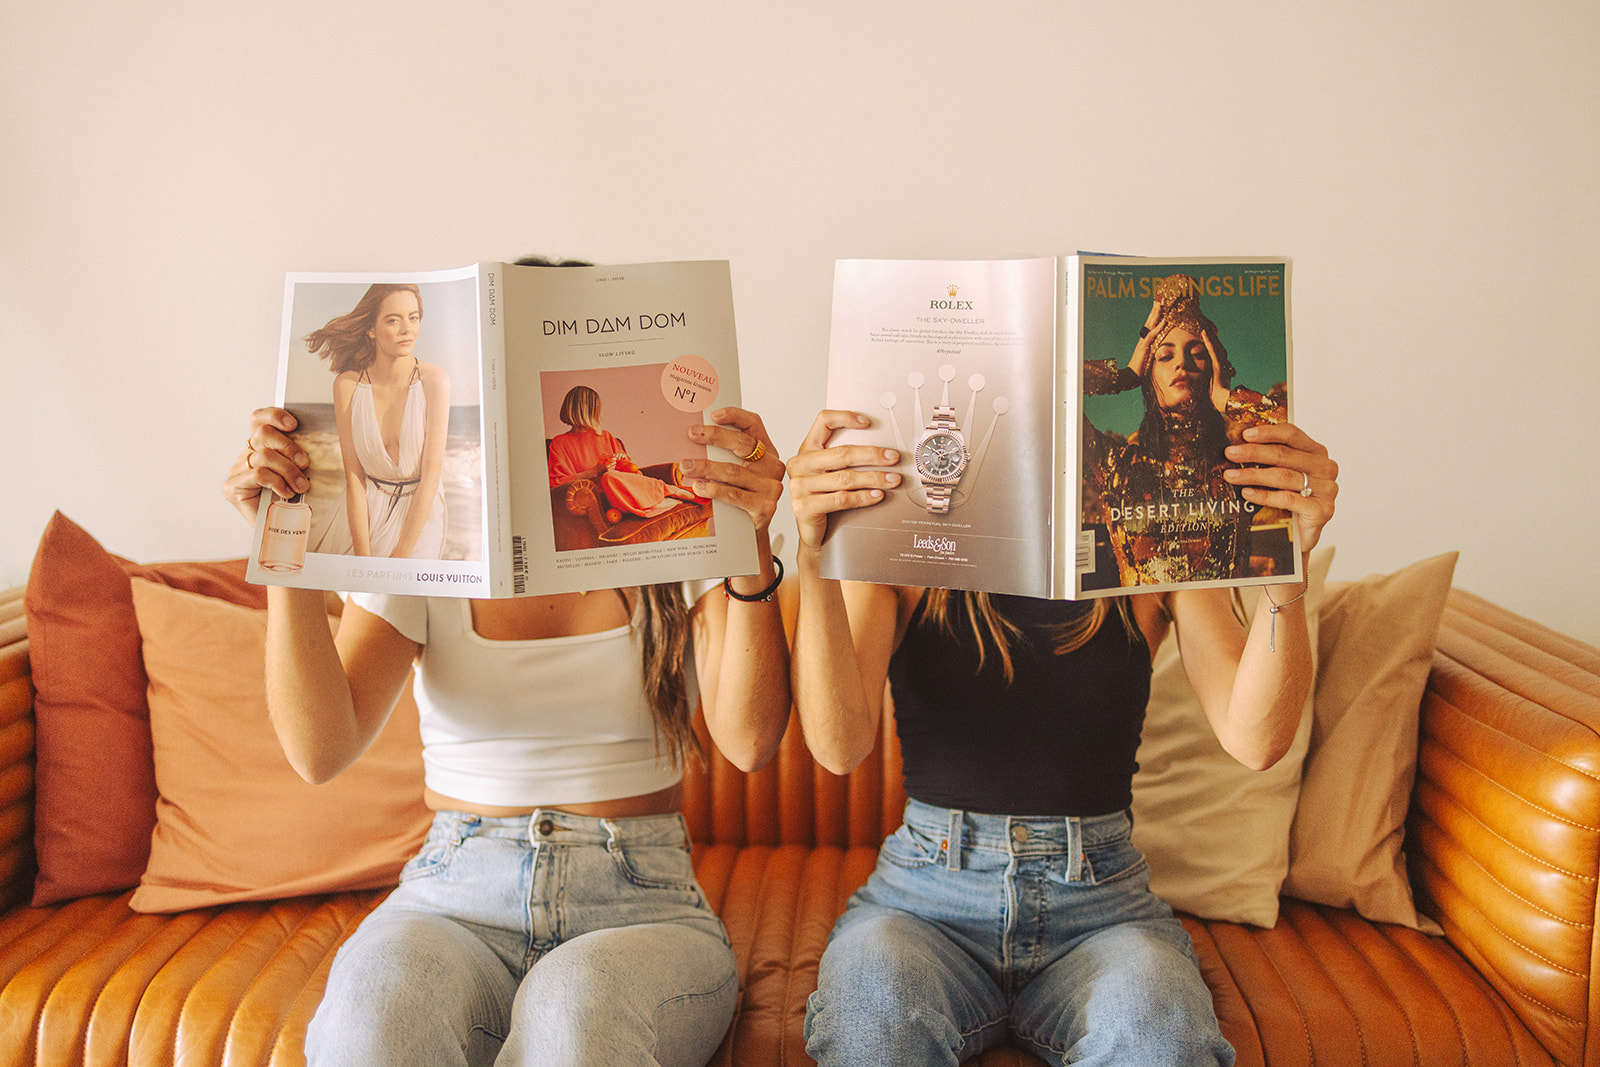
[381,373]
[953,361]
[606,370]
[1178,359]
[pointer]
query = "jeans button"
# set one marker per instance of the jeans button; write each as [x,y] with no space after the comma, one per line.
[1020,833]
[546,827]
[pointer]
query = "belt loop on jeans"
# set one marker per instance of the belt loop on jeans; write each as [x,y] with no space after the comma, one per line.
[952,840]
[1074,849]
[612,844]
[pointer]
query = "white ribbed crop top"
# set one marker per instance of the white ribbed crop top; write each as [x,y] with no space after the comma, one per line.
[561,720]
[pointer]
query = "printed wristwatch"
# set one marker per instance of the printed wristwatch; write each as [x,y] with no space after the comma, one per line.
[941,458]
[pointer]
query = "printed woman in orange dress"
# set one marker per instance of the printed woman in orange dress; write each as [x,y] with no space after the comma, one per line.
[588,450]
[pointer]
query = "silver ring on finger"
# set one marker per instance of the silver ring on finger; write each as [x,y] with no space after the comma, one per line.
[1305,490]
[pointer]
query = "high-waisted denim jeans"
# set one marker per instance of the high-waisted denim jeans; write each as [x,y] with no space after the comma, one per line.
[543,939]
[974,928]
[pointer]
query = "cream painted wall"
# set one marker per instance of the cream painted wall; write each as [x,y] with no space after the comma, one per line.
[1432,167]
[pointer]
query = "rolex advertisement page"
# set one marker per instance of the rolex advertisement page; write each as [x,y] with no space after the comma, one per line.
[954,364]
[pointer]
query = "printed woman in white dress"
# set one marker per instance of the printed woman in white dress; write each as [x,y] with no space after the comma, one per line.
[393,412]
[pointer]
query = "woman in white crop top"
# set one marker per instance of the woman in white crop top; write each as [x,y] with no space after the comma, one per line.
[552,916]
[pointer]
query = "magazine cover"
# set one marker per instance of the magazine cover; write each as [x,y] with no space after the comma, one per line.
[954,363]
[607,368]
[1173,360]
[503,430]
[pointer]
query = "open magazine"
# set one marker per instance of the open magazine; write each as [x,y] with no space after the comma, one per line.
[1060,421]
[503,430]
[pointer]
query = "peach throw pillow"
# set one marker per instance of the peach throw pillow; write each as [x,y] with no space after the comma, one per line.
[1377,641]
[233,819]
[1216,833]
[95,785]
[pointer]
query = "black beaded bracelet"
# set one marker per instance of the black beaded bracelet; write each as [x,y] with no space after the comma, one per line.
[756,598]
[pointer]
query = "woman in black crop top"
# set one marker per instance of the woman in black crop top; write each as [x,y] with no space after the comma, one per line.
[1011,904]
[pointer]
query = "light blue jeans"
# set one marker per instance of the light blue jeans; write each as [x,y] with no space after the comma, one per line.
[543,939]
[974,928]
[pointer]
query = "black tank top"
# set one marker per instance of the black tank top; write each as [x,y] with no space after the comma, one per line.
[1061,739]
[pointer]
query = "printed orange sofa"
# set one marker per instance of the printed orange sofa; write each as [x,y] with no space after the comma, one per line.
[1503,841]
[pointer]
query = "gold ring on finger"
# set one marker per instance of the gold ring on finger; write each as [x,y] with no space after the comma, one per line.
[755,453]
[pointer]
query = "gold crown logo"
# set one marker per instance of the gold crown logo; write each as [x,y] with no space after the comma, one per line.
[952,289]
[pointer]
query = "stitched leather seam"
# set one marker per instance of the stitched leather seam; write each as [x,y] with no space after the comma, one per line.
[1515,796]
[1233,974]
[1305,947]
[1557,1012]
[1483,916]
[1394,998]
[1305,1027]
[1570,923]
[794,928]
[1377,980]
[1530,998]
[1444,998]
[1445,702]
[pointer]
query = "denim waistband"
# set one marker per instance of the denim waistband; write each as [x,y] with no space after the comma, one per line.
[1014,835]
[551,826]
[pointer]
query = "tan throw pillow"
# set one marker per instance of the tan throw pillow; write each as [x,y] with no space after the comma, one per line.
[233,819]
[1377,639]
[1216,833]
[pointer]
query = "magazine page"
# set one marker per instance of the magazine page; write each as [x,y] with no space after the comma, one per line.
[1172,360]
[606,370]
[381,370]
[954,363]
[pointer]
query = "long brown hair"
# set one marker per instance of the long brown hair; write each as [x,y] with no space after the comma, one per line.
[664,622]
[663,617]
[343,341]
[989,627]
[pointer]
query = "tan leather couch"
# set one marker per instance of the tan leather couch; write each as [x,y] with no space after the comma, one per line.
[1503,839]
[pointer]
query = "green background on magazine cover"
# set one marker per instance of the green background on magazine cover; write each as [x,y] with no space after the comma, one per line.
[1251,328]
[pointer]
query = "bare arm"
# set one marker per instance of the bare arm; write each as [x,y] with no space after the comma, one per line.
[741,652]
[845,632]
[327,701]
[1253,683]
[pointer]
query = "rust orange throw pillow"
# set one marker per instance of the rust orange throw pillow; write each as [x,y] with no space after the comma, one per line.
[233,819]
[95,784]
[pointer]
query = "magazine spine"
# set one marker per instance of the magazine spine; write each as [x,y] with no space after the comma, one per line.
[492,388]
[1063,539]
[1076,554]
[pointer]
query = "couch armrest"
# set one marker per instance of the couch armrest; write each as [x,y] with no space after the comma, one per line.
[16,754]
[1504,833]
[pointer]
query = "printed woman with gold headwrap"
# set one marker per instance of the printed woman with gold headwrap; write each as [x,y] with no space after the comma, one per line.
[1170,512]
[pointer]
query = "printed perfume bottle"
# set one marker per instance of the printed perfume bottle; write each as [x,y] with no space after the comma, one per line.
[283,542]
